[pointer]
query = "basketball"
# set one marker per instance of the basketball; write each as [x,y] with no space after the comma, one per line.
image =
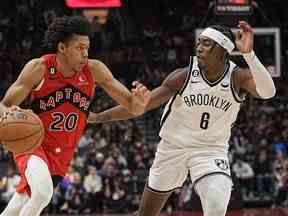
[21,131]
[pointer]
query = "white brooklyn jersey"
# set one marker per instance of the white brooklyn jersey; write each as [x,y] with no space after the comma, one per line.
[202,113]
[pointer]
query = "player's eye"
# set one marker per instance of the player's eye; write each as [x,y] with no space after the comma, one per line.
[82,48]
[207,43]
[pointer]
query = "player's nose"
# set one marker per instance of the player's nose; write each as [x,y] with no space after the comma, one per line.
[85,54]
[199,49]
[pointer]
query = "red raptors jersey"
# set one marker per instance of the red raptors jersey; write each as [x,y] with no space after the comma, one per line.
[63,106]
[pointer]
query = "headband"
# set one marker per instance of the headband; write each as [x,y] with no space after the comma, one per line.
[219,38]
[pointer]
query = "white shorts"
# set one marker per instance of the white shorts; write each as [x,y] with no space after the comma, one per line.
[171,166]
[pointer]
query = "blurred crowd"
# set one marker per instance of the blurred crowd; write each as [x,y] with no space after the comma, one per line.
[112,160]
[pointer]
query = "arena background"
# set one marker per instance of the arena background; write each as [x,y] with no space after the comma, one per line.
[145,40]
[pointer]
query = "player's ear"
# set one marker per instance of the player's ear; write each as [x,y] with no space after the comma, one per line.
[61,47]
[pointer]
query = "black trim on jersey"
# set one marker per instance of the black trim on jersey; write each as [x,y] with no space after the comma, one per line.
[237,97]
[188,75]
[168,111]
[162,192]
[226,69]
[36,105]
[209,174]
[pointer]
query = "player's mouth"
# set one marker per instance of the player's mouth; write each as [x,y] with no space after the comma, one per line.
[82,64]
[198,54]
[201,58]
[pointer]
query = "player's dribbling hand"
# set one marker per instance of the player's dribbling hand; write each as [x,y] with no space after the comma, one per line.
[9,111]
[141,97]
[244,37]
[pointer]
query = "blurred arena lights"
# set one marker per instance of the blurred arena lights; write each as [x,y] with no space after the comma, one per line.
[93,3]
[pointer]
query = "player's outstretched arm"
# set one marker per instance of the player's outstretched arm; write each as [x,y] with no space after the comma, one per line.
[30,76]
[170,86]
[134,102]
[256,80]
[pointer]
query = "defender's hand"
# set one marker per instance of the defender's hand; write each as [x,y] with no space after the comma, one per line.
[244,37]
[141,97]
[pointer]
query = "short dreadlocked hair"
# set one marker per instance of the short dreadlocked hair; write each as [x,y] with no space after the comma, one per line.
[63,28]
[224,30]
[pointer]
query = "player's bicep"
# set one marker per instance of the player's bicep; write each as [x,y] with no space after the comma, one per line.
[159,96]
[29,77]
[104,78]
[170,86]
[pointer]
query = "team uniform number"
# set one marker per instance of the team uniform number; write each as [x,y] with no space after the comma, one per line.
[204,120]
[62,122]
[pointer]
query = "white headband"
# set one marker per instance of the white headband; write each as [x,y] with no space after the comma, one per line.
[219,38]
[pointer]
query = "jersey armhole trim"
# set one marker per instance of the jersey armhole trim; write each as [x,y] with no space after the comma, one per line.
[236,96]
[187,76]
[163,119]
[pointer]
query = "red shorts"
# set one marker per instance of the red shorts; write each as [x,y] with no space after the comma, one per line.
[57,163]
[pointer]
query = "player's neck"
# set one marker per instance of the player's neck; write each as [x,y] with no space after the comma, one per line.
[64,67]
[213,71]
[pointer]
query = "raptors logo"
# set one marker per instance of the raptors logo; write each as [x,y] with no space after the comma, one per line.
[222,164]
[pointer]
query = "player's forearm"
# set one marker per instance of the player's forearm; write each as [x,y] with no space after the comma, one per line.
[135,108]
[263,80]
[114,114]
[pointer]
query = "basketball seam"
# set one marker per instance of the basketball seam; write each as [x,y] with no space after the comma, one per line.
[28,149]
[20,122]
[21,137]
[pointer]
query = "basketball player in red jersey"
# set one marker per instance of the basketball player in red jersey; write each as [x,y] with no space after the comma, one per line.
[61,86]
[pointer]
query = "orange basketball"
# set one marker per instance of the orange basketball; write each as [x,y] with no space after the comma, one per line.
[21,131]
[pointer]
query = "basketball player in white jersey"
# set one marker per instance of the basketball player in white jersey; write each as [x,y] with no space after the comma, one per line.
[203,103]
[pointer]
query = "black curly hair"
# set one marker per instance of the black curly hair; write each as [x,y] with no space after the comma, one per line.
[63,28]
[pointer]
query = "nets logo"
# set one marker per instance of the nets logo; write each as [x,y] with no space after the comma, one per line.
[222,164]
[93,3]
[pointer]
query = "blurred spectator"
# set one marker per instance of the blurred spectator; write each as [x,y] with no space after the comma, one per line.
[109,169]
[116,196]
[281,180]
[264,178]
[58,200]
[116,155]
[245,175]
[76,196]
[94,187]
[8,185]
[85,140]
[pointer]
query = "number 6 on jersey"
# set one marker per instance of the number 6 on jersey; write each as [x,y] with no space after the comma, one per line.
[204,120]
